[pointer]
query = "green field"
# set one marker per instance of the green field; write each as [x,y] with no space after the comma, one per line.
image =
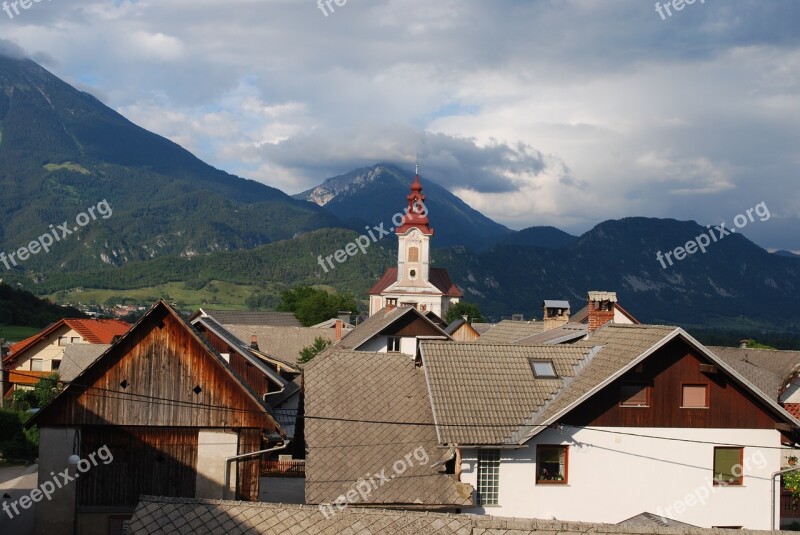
[214,294]
[13,333]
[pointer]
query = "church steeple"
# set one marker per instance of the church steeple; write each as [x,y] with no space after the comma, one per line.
[416,214]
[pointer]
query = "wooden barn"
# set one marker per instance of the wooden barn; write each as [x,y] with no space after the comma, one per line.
[166,414]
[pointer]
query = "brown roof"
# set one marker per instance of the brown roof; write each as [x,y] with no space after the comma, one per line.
[281,343]
[364,412]
[768,369]
[481,393]
[509,331]
[167,516]
[438,277]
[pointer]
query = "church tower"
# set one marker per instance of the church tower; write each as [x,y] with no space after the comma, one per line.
[414,282]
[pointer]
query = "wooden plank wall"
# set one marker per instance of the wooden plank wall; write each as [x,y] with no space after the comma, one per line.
[159,462]
[665,372]
[249,469]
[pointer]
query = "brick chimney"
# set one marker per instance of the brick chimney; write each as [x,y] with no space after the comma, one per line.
[253,341]
[338,330]
[556,313]
[601,309]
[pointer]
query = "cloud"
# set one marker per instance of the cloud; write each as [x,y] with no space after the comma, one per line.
[562,112]
[10,49]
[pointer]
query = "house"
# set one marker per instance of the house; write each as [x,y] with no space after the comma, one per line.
[167,516]
[393,330]
[370,436]
[41,355]
[462,331]
[634,419]
[171,416]
[414,282]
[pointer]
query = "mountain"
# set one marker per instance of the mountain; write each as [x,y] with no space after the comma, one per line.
[372,195]
[62,151]
[548,237]
[734,284]
[786,254]
[18,307]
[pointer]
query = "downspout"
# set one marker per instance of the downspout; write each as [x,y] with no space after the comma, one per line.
[772,480]
[229,460]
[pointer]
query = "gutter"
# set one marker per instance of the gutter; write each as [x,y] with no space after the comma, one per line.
[772,480]
[229,460]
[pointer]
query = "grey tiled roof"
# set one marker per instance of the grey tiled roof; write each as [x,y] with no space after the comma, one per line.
[509,331]
[556,303]
[570,332]
[481,393]
[620,346]
[169,516]
[650,519]
[281,343]
[78,357]
[482,327]
[365,411]
[254,317]
[767,369]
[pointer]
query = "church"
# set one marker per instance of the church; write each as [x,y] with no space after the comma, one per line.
[414,283]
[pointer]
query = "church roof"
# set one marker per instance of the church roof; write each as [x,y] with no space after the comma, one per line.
[438,277]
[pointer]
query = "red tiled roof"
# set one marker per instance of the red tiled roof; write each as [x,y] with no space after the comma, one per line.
[439,277]
[99,331]
[93,331]
[793,409]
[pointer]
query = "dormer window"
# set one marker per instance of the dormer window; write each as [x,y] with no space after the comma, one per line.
[543,369]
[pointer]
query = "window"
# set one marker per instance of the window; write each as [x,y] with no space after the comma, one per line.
[55,364]
[634,395]
[413,254]
[488,477]
[37,365]
[543,369]
[391,301]
[63,340]
[412,274]
[728,466]
[393,344]
[551,464]
[694,396]
[75,340]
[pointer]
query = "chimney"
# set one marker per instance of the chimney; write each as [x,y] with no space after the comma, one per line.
[601,309]
[744,343]
[556,314]
[253,341]
[338,330]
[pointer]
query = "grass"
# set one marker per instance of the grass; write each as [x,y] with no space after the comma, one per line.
[15,333]
[69,166]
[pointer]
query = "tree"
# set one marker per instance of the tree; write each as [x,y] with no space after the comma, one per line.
[311,305]
[309,352]
[462,308]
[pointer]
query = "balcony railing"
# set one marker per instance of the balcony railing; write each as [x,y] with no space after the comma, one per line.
[293,468]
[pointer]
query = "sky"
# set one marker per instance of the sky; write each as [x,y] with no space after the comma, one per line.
[535,112]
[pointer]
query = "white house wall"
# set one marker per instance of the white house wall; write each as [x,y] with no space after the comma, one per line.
[613,476]
[378,344]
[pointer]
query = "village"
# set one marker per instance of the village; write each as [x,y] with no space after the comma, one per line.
[583,420]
